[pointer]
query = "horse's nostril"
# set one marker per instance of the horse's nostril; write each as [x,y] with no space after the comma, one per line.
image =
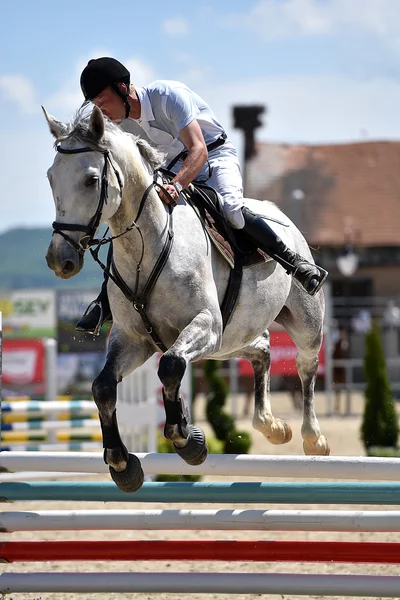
[68,267]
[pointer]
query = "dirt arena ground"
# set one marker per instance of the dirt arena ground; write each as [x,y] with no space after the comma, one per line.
[343,436]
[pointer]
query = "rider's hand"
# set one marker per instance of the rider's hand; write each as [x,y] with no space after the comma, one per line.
[171,190]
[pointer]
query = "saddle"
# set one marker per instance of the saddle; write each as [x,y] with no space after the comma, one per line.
[236,247]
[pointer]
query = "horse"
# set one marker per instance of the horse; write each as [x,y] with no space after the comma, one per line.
[102,174]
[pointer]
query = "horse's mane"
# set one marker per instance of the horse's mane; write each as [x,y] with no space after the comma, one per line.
[79,129]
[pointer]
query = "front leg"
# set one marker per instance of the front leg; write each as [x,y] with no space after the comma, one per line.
[123,356]
[200,338]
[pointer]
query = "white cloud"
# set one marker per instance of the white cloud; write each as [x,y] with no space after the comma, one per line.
[274,19]
[176,26]
[141,72]
[20,91]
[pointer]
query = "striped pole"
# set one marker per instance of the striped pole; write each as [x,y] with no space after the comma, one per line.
[43,436]
[48,407]
[42,424]
[47,447]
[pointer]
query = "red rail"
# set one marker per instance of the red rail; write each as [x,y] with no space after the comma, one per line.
[262,551]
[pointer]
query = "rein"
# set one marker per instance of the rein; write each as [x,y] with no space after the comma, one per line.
[139,301]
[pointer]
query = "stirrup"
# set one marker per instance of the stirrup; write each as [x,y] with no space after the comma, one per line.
[92,305]
[323,274]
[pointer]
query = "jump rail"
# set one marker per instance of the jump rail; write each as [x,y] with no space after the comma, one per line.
[230,465]
[206,583]
[383,493]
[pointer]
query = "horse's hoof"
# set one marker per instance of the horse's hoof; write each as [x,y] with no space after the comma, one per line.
[195,452]
[131,479]
[278,432]
[319,447]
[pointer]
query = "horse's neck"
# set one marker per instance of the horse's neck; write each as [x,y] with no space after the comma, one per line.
[152,223]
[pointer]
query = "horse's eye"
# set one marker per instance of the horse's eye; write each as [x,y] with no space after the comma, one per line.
[91,181]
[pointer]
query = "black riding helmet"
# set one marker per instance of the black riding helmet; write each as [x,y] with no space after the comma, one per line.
[100,73]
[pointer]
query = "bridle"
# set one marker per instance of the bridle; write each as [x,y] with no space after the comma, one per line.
[139,301]
[91,228]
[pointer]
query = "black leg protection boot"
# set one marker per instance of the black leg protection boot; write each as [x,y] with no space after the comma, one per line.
[310,276]
[97,313]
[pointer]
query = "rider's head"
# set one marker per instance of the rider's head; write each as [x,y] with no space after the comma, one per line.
[101,79]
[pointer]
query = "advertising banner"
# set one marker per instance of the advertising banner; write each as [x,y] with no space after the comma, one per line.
[23,362]
[28,314]
[283,357]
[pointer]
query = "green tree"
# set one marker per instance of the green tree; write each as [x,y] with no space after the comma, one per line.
[235,442]
[380,424]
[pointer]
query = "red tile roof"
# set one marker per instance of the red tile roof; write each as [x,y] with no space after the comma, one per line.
[347,187]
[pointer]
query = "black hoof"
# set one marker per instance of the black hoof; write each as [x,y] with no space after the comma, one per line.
[195,452]
[131,479]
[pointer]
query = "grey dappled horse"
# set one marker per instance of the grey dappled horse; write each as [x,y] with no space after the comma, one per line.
[101,174]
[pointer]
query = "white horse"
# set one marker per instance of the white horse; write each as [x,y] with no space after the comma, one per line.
[101,174]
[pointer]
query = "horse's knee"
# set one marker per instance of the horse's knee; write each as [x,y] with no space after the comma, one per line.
[104,389]
[171,369]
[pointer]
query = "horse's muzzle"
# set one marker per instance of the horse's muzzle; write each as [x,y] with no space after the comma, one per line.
[64,260]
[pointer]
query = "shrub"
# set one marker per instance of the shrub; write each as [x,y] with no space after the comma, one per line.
[223,425]
[380,424]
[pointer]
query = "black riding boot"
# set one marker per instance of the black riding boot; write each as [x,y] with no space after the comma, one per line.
[97,313]
[309,275]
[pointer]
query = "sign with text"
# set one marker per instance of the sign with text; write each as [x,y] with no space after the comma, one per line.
[28,313]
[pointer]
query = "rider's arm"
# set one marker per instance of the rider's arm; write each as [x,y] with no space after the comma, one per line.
[192,137]
[182,110]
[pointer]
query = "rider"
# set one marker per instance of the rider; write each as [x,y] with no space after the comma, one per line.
[178,122]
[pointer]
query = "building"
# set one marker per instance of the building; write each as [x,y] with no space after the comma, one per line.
[339,195]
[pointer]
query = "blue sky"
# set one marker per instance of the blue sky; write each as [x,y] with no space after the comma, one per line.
[328,70]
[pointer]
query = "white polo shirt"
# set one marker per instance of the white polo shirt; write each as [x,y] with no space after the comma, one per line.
[166,108]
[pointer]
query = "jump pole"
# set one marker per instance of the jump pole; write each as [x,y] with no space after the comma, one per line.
[382,493]
[207,583]
[202,550]
[189,520]
[239,465]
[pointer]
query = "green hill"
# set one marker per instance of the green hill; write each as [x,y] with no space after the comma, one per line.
[23,264]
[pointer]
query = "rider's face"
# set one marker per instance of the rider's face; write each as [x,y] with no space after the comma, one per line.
[110,104]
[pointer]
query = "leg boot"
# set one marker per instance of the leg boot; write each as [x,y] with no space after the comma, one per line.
[310,276]
[97,313]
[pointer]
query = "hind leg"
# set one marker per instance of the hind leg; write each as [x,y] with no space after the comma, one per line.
[123,356]
[305,326]
[275,430]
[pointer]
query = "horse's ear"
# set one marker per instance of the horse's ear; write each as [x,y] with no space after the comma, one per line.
[56,127]
[155,158]
[97,123]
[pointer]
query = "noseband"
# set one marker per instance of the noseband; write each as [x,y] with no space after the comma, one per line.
[91,228]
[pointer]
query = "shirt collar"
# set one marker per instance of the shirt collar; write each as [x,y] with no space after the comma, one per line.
[146,112]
